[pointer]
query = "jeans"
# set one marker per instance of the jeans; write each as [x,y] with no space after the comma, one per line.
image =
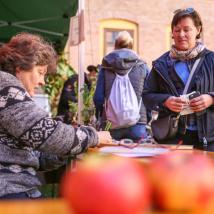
[135,132]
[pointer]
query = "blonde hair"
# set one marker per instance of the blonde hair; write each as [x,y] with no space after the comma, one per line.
[123,40]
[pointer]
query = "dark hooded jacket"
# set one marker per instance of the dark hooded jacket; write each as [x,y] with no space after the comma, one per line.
[159,87]
[121,61]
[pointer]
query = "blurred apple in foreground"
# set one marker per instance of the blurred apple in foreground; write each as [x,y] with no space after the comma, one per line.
[183,182]
[107,185]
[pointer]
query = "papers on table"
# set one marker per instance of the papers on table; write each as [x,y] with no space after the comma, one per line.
[135,152]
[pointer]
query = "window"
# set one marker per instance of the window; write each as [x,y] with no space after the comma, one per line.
[108,31]
[169,40]
[110,36]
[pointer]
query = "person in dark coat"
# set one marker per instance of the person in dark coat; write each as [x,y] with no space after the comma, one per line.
[169,76]
[69,92]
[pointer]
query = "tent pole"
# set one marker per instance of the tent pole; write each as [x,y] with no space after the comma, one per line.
[81,62]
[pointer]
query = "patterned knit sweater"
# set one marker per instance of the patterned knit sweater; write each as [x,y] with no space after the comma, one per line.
[31,141]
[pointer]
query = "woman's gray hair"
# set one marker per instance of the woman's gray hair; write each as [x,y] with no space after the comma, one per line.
[123,40]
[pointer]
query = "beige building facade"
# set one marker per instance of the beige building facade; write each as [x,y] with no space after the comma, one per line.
[147,20]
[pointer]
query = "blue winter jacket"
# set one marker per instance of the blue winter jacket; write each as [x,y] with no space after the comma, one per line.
[158,87]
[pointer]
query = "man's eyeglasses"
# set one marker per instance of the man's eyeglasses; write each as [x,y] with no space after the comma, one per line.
[188,10]
[128,143]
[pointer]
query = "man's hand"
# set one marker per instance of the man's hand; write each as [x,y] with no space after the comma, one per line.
[104,138]
[201,102]
[175,104]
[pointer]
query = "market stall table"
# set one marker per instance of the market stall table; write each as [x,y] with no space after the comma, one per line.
[59,206]
[52,206]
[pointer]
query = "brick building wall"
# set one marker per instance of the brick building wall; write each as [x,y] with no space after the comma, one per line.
[153,18]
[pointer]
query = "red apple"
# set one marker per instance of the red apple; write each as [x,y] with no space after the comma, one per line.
[107,185]
[183,181]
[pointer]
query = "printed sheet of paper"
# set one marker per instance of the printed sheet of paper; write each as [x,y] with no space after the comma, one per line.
[186,108]
[135,152]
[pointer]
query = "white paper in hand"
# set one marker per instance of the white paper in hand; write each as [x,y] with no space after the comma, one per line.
[186,108]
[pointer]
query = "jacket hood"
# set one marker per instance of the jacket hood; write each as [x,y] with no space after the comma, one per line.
[120,61]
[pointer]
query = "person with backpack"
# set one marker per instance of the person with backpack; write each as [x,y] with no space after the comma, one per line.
[118,94]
